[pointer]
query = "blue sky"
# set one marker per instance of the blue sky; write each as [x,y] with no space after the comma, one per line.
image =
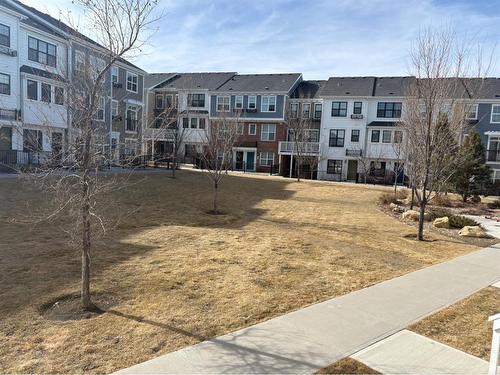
[319,38]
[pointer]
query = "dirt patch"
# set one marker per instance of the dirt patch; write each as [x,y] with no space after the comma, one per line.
[347,366]
[464,325]
[69,307]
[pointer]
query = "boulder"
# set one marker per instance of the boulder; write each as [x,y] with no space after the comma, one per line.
[414,215]
[472,231]
[442,222]
[395,208]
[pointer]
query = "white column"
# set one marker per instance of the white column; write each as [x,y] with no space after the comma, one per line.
[291,165]
[495,344]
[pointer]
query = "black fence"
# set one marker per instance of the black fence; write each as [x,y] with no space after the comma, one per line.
[12,159]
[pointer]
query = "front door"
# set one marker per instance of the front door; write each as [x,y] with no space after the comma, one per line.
[250,161]
[239,161]
[352,170]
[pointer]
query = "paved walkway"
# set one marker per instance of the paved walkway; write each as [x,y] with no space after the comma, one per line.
[407,352]
[313,337]
[492,227]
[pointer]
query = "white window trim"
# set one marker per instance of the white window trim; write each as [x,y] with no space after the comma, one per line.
[254,128]
[102,100]
[130,74]
[379,136]
[390,136]
[219,97]
[254,101]
[262,132]
[262,103]
[162,101]
[113,101]
[113,70]
[79,55]
[133,108]
[476,106]
[267,154]
[236,101]
[491,116]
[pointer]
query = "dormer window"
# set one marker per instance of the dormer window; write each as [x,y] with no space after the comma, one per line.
[4,35]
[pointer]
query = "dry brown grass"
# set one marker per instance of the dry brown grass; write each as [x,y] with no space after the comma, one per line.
[180,276]
[347,366]
[464,325]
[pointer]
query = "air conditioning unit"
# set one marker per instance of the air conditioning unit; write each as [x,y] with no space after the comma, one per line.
[356,117]
[8,51]
[117,85]
[251,110]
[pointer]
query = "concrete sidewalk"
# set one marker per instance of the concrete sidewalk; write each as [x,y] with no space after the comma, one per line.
[492,227]
[313,337]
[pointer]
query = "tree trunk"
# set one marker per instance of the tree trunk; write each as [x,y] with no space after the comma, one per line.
[216,192]
[174,165]
[297,168]
[85,296]
[423,204]
[412,197]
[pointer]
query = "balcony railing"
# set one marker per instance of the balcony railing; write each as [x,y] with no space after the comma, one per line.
[493,155]
[158,134]
[311,148]
[349,152]
[10,114]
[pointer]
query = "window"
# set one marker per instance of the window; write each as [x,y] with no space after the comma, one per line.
[318,108]
[185,122]
[334,166]
[32,91]
[201,123]
[114,108]
[131,119]
[4,84]
[32,140]
[59,95]
[223,103]
[355,135]
[100,109]
[472,115]
[386,136]
[41,52]
[194,122]
[398,136]
[375,136]
[132,82]
[337,137]
[159,101]
[495,113]
[130,146]
[266,159]
[389,109]
[79,61]
[358,108]
[238,102]
[46,93]
[294,110]
[114,74]
[4,35]
[268,132]
[252,102]
[196,100]
[306,110]
[339,109]
[169,104]
[268,104]
[252,129]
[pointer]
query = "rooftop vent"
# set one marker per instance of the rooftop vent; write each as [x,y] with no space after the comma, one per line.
[391,93]
[347,93]
[267,88]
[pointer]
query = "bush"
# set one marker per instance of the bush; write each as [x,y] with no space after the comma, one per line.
[475,199]
[494,205]
[439,212]
[388,198]
[461,221]
[442,200]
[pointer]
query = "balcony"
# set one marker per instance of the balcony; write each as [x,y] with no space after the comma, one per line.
[493,156]
[158,134]
[304,148]
[349,152]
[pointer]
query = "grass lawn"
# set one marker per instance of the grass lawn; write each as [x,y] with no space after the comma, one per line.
[464,325]
[178,275]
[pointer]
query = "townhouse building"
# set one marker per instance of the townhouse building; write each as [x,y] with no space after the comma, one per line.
[304,114]
[259,101]
[40,57]
[184,99]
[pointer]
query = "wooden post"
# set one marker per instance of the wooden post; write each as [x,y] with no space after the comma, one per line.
[495,344]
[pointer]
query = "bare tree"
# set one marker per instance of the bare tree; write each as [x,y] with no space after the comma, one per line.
[217,154]
[435,113]
[78,190]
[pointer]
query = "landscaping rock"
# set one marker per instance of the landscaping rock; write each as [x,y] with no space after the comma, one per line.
[442,222]
[414,215]
[395,208]
[472,231]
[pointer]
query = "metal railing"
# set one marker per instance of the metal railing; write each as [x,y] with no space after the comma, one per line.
[24,158]
[302,147]
[349,152]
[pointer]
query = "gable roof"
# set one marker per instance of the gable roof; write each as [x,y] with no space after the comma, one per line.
[392,86]
[348,86]
[308,89]
[57,24]
[261,83]
[191,81]
[153,79]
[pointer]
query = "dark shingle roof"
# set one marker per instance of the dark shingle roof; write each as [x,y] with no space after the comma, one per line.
[261,83]
[348,86]
[41,73]
[308,90]
[57,24]
[487,88]
[154,79]
[193,81]
[392,86]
